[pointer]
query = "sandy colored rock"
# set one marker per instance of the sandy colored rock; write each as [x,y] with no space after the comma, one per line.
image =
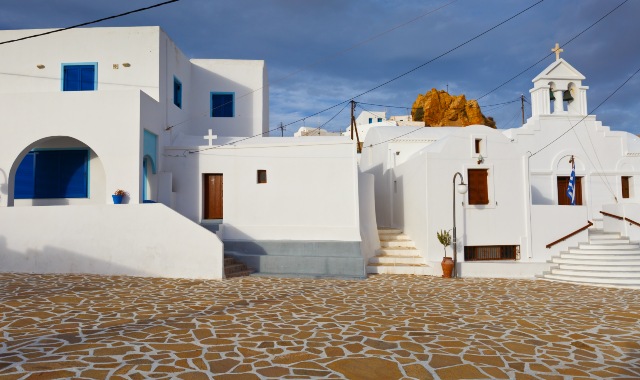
[439,109]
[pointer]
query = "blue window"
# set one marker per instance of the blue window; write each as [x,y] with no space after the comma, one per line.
[53,174]
[222,104]
[379,120]
[177,92]
[79,76]
[370,120]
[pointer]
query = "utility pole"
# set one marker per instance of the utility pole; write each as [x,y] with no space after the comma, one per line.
[353,126]
[281,127]
[522,107]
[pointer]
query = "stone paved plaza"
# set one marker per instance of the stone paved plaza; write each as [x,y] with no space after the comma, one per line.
[385,327]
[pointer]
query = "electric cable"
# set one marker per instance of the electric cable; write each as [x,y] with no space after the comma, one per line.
[89,23]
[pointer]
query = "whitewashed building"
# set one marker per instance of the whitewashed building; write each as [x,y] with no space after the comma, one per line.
[514,220]
[88,111]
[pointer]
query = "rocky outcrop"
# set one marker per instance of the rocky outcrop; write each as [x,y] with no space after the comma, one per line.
[439,109]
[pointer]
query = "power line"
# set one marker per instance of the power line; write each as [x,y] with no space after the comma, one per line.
[328,58]
[550,54]
[588,114]
[89,23]
[431,60]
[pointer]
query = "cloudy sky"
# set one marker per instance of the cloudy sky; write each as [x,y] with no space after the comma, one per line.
[320,53]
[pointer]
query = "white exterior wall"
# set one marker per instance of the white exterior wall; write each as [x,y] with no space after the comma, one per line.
[137,46]
[111,130]
[503,220]
[108,241]
[246,79]
[601,159]
[311,191]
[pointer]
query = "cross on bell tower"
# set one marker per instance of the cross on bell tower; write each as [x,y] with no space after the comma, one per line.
[557,50]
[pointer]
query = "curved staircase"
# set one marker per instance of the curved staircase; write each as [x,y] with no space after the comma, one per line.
[608,259]
[397,255]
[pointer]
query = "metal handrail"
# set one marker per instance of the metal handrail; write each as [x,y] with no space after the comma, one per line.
[570,235]
[620,218]
[611,215]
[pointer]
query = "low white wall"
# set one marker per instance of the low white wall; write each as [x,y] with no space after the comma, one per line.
[550,223]
[368,226]
[631,211]
[147,240]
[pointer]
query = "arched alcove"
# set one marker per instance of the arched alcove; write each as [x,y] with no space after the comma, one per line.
[56,170]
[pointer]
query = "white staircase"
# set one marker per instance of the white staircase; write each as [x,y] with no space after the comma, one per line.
[608,259]
[397,255]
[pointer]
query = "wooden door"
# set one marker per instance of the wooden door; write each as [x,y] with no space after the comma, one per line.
[563,184]
[212,196]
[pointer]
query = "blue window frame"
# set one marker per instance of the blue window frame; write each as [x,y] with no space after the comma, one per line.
[44,174]
[177,92]
[379,120]
[370,120]
[79,76]
[222,104]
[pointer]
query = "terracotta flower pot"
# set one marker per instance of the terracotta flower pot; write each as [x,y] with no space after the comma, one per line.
[447,267]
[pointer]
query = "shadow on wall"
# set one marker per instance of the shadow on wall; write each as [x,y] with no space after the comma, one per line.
[55,260]
[538,199]
[4,184]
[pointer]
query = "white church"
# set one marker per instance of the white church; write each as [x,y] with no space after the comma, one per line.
[187,140]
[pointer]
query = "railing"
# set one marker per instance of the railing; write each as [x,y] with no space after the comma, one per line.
[569,235]
[631,221]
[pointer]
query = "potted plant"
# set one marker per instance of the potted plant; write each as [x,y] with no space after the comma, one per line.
[118,195]
[444,237]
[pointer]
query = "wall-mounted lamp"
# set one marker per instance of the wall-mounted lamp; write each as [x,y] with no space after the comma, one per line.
[480,159]
[126,64]
[40,66]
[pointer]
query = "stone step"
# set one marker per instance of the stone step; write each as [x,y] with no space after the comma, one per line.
[234,268]
[398,237]
[397,243]
[587,246]
[601,256]
[601,251]
[597,273]
[617,241]
[396,260]
[398,251]
[389,231]
[608,236]
[399,269]
[598,232]
[623,262]
[632,282]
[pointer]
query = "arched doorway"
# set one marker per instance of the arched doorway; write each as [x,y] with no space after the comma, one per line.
[56,171]
[149,180]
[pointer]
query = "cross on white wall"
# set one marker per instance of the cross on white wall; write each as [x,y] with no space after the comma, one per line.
[210,137]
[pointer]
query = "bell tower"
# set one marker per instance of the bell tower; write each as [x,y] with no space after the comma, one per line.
[558,90]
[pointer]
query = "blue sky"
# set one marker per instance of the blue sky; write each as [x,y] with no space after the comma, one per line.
[323,52]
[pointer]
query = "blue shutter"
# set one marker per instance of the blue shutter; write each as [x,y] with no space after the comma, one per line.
[25,181]
[47,170]
[177,92]
[53,174]
[87,75]
[221,105]
[79,78]
[71,78]
[72,181]
[370,120]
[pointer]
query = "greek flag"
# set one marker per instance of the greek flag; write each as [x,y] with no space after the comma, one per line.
[571,189]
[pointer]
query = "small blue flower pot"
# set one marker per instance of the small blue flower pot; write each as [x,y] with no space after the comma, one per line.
[117,199]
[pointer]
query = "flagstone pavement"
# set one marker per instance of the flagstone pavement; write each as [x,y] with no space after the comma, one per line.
[385,327]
